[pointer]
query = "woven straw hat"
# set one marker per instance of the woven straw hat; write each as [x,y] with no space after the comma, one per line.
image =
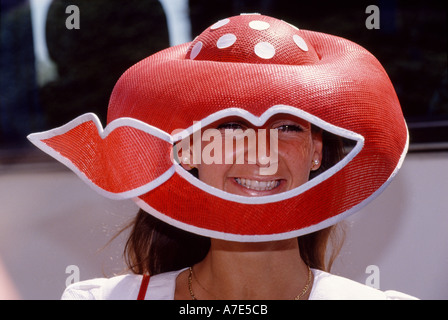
[254,67]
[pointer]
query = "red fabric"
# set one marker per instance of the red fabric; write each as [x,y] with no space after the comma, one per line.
[329,77]
[126,159]
[143,287]
[277,33]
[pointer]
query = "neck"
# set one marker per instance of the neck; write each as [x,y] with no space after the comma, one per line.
[233,270]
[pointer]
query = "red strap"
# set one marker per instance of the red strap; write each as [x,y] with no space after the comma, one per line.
[143,287]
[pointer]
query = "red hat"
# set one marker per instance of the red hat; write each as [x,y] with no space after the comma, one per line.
[253,67]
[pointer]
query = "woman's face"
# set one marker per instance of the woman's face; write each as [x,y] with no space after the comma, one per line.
[274,158]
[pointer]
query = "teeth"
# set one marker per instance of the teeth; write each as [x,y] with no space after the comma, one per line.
[258,185]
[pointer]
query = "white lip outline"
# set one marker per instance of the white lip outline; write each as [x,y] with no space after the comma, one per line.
[258,122]
[36,138]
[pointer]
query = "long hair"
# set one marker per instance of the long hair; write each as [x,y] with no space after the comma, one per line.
[155,247]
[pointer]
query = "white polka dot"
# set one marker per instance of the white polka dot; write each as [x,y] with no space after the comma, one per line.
[220,23]
[259,25]
[264,50]
[300,42]
[226,41]
[195,50]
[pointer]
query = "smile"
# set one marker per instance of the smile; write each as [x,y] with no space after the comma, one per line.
[258,185]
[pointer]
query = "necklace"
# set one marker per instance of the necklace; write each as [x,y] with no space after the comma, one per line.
[298,297]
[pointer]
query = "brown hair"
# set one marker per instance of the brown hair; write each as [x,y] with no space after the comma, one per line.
[155,247]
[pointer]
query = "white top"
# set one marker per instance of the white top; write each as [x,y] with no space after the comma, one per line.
[162,286]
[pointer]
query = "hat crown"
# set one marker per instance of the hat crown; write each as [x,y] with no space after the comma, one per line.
[253,39]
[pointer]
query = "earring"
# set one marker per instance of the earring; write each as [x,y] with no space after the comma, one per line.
[186,161]
[315,164]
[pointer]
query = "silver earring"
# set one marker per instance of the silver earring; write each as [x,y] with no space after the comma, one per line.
[315,164]
[186,160]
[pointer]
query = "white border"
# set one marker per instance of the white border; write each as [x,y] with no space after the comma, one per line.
[36,138]
[239,237]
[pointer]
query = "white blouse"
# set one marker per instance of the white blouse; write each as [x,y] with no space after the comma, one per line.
[326,286]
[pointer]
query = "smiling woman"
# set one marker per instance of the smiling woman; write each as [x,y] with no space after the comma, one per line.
[288,132]
[243,166]
[297,143]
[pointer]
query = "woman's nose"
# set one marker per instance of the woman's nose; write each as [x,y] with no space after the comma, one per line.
[264,153]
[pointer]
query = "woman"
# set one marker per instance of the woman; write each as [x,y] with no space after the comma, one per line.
[287,131]
[299,147]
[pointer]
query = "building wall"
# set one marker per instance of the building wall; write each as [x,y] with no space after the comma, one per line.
[52,224]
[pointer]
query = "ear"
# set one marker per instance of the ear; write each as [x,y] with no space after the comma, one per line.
[183,150]
[317,147]
[126,159]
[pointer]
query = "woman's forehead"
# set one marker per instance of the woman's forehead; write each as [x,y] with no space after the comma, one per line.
[279,117]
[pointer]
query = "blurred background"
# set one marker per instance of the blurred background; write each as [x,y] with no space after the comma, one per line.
[50,74]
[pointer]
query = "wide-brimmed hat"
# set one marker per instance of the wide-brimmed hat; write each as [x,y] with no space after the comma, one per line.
[253,67]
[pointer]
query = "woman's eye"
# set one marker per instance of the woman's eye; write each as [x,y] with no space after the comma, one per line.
[231,126]
[289,128]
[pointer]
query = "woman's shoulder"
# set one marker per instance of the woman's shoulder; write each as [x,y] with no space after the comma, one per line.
[123,287]
[326,286]
[332,287]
